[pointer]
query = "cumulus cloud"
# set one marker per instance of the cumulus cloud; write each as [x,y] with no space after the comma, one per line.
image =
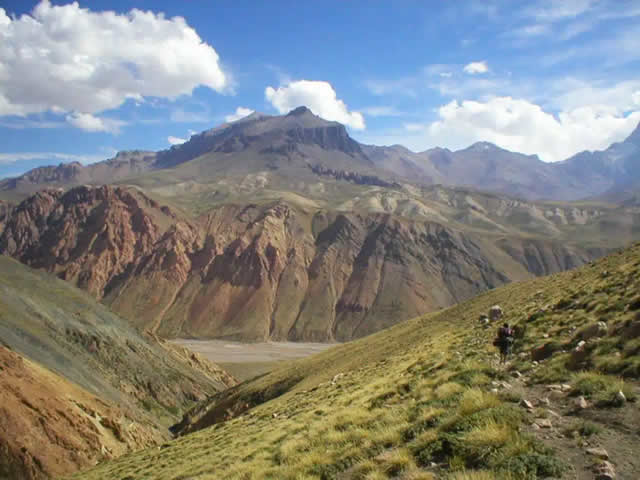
[175,140]
[74,60]
[476,67]
[240,112]
[522,126]
[319,97]
[91,123]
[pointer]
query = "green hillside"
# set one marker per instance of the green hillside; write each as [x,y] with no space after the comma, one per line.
[428,399]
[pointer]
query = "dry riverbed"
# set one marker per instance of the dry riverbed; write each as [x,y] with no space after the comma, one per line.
[246,360]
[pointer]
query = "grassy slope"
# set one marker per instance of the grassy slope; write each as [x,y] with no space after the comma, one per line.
[67,331]
[390,404]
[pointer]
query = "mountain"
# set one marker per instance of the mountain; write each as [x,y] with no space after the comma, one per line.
[609,171]
[285,228]
[123,165]
[302,146]
[428,399]
[491,168]
[78,384]
[287,270]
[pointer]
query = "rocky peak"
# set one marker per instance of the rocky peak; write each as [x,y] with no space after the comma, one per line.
[483,147]
[302,110]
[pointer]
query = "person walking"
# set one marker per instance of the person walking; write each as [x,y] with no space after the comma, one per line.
[504,342]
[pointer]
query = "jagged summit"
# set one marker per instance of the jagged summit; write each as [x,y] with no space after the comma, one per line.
[301,110]
[484,147]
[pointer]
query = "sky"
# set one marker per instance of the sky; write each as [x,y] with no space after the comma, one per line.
[81,81]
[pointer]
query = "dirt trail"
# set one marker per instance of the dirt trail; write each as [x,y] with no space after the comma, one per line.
[616,430]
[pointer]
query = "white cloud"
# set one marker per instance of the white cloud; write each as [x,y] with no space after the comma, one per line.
[240,112]
[91,123]
[11,158]
[522,126]
[636,98]
[382,111]
[571,93]
[183,116]
[175,140]
[414,127]
[71,59]
[556,10]
[319,97]
[476,67]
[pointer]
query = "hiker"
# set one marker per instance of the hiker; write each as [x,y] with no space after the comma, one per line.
[504,342]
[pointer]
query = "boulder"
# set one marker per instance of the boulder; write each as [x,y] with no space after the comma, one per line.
[526,404]
[605,471]
[544,423]
[495,313]
[598,452]
[579,355]
[632,330]
[544,352]
[620,398]
[594,330]
[581,403]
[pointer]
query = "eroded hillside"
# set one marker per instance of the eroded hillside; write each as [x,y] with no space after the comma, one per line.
[278,270]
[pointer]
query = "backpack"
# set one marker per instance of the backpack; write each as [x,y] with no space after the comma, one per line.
[505,334]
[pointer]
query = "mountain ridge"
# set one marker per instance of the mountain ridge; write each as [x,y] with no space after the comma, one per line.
[282,142]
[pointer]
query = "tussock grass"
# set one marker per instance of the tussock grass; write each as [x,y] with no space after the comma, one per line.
[603,389]
[477,475]
[474,400]
[490,435]
[448,390]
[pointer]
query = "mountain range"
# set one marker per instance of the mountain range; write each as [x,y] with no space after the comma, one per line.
[302,140]
[285,228]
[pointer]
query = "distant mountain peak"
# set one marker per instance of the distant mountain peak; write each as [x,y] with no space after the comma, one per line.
[635,136]
[483,146]
[301,110]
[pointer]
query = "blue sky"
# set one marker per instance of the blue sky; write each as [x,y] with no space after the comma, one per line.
[82,81]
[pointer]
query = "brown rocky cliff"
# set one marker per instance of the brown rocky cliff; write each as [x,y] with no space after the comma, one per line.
[264,272]
[88,235]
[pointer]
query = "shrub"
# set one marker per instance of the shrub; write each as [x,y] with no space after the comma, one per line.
[533,465]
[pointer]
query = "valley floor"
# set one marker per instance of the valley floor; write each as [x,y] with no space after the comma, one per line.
[247,360]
